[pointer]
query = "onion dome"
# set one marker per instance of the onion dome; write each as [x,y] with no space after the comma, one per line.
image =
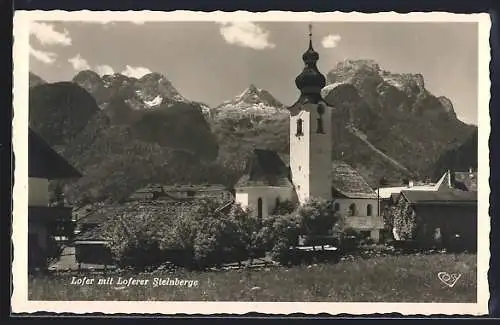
[310,81]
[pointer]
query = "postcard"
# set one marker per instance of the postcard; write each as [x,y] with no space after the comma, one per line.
[233,162]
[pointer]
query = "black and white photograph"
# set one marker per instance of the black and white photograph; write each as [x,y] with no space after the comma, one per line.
[251,162]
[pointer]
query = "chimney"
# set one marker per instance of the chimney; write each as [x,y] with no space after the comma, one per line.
[410,183]
[448,178]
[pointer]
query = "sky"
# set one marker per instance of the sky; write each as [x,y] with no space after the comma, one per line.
[212,62]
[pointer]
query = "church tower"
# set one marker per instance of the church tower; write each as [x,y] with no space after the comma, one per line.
[311,133]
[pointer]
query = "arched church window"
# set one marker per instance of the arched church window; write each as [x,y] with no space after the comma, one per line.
[259,207]
[319,128]
[369,210]
[299,127]
[278,202]
[352,210]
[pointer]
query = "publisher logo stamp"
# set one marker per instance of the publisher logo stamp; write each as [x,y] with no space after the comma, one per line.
[450,279]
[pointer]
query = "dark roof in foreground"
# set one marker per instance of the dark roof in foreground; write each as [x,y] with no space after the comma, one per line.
[104,216]
[347,182]
[447,196]
[265,168]
[45,162]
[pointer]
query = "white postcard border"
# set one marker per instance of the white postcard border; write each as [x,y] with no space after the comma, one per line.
[20,303]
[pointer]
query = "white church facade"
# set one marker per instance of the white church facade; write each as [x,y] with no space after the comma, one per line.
[310,173]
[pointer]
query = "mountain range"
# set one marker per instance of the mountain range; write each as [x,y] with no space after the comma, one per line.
[123,132]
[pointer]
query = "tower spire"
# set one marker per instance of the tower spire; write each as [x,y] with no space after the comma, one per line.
[310,81]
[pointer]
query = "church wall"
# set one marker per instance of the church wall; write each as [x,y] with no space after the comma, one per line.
[299,155]
[320,154]
[242,198]
[249,197]
[311,154]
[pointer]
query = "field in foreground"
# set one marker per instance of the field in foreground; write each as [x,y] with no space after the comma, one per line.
[404,278]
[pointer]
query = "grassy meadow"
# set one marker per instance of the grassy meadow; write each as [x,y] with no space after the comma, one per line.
[403,278]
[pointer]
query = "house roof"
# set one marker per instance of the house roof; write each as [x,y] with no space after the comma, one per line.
[103,215]
[174,192]
[440,197]
[265,168]
[387,192]
[45,162]
[347,182]
[466,181]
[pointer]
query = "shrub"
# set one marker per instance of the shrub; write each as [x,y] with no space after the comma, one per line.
[315,218]
[282,232]
[284,207]
[210,236]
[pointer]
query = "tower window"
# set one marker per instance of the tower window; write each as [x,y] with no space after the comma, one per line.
[259,207]
[299,127]
[336,207]
[369,210]
[319,128]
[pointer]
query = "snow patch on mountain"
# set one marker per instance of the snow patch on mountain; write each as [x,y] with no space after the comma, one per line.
[154,102]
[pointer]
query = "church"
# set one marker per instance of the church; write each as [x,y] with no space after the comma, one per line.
[311,171]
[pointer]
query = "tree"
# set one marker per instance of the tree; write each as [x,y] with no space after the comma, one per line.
[317,217]
[284,207]
[404,220]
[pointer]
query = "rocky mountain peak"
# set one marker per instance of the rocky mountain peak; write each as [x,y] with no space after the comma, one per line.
[149,91]
[154,85]
[388,91]
[255,96]
[88,80]
[253,101]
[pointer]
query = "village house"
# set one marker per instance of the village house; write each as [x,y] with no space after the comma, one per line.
[356,200]
[310,173]
[45,221]
[441,216]
[389,195]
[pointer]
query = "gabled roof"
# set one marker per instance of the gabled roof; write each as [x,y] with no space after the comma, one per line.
[265,168]
[45,162]
[347,182]
[446,196]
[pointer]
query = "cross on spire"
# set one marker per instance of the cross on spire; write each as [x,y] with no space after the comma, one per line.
[310,31]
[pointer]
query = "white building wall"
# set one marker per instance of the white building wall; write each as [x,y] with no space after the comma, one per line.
[299,155]
[311,154]
[361,206]
[249,197]
[38,191]
[361,221]
[320,154]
